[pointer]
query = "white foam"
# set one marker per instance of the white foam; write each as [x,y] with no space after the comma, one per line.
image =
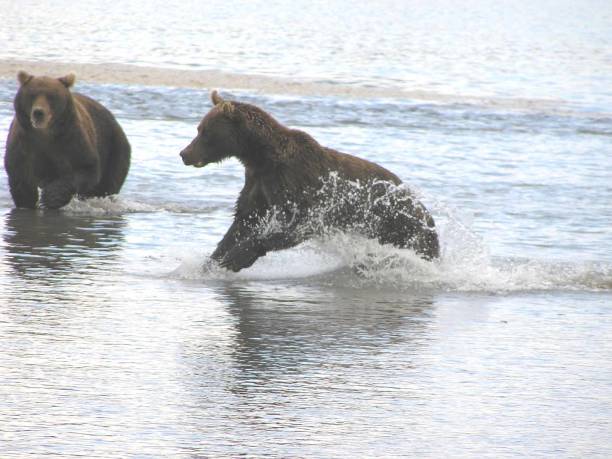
[110,205]
[349,259]
[304,261]
[465,263]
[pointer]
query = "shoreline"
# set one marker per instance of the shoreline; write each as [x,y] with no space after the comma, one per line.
[130,74]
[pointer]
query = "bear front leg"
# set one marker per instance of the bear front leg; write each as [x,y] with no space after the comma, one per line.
[244,242]
[86,181]
[237,232]
[24,193]
[57,193]
[22,183]
[245,253]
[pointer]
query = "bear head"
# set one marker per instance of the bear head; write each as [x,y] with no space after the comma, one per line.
[218,137]
[42,101]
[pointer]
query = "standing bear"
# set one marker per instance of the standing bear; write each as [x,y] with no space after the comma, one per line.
[63,143]
[296,188]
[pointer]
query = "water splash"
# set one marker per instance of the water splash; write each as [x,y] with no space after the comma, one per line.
[110,205]
[465,265]
[118,205]
[350,259]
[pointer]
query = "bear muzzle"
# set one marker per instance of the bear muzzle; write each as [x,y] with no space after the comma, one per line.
[188,160]
[40,115]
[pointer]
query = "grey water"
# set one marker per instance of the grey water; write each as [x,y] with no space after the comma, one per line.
[114,342]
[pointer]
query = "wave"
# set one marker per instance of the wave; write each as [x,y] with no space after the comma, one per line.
[465,265]
[351,260]
[117,205]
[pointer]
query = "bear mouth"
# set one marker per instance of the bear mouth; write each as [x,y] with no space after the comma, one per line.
[190,162]
[39,124]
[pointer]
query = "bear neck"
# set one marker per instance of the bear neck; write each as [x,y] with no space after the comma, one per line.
[259,153]
[266,140]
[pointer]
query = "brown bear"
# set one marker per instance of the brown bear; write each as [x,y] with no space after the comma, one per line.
[63,143]
[296,188]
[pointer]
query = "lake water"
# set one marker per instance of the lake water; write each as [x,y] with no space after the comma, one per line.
[115,343]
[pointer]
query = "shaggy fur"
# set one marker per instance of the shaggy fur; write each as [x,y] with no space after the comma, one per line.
[63,143]
[304,187]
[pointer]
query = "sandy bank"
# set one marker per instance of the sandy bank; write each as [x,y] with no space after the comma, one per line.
[155,76]
[264,84]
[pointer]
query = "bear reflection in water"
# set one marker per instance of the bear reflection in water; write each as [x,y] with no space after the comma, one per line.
[296,188]
[43,245]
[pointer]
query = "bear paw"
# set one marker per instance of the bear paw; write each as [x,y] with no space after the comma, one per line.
[242,255]
[56,194]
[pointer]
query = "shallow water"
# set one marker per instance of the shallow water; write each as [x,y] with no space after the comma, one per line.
[114,342]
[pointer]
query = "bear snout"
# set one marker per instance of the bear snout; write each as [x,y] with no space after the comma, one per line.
[185,156]
[40,116]
[188,158]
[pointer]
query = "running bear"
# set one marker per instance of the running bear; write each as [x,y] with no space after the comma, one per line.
[296,188]
[63,143]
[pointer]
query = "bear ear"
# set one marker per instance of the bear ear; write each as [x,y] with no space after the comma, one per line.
[216,98]
[226,107]
[68,80]
[23,77]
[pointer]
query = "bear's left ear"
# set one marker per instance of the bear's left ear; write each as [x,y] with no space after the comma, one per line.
[68,80]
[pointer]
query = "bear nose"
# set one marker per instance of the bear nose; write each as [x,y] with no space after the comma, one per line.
[38,114]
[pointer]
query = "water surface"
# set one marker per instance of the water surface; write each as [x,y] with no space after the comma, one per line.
[114,342]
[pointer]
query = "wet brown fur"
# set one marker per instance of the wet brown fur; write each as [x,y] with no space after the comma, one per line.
[286,168]
[77,147]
